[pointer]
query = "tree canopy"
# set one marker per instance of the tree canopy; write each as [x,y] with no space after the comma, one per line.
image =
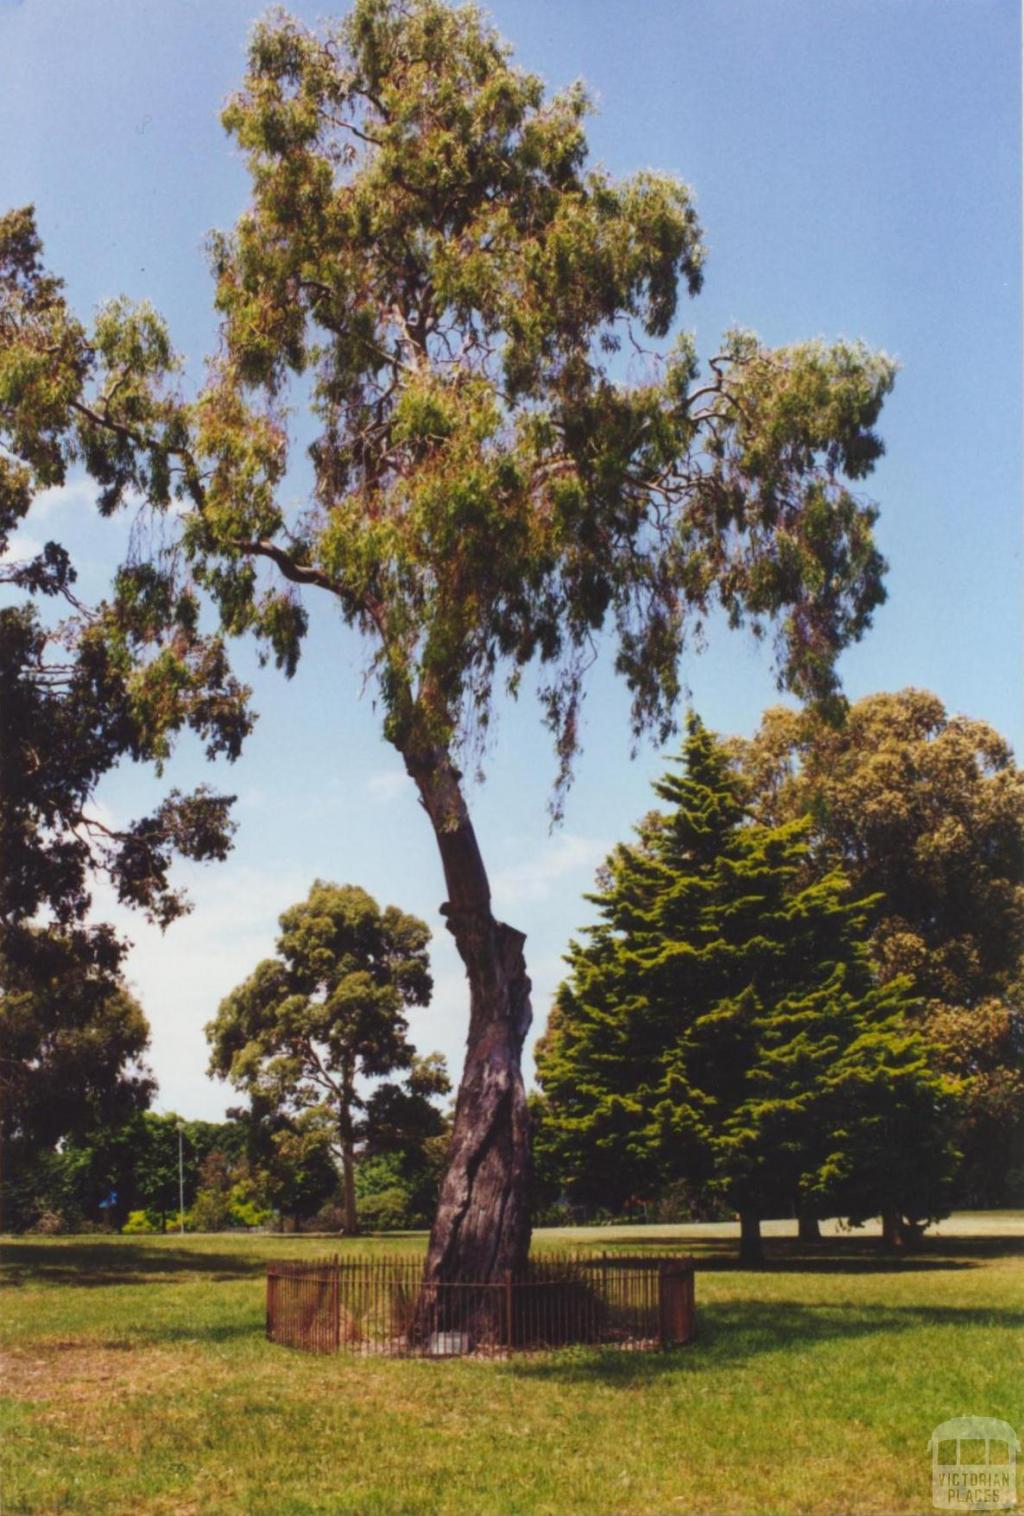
[71,713]
[722,1025]
[73,1048]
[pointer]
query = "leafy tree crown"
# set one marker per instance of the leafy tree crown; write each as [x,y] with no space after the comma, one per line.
[430,261]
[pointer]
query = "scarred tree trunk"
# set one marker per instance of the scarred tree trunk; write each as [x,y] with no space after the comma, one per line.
[482,1224]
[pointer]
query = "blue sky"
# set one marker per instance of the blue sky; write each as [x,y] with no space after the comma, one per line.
[857,169]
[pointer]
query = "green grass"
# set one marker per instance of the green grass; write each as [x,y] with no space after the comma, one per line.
[137,1380]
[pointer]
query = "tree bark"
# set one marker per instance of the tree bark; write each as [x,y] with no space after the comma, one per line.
[808,1229]
[751,1251]
[899,1235]
[482,1225]
[348,1164]
[892,1231]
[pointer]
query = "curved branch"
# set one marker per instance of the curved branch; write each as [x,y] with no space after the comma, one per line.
[298,573]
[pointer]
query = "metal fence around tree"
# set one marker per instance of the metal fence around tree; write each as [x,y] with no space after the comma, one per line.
[382,1306]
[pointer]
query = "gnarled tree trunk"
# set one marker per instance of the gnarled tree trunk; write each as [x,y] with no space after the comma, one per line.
[482,1225]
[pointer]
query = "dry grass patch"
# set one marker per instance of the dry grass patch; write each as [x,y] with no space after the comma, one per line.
[84,1373]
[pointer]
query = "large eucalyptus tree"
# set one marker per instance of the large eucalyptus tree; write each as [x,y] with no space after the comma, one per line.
[428,261]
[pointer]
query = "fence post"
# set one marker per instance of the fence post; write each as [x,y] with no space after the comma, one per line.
[675,1303]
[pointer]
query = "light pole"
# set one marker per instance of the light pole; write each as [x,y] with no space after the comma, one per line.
[181,1184]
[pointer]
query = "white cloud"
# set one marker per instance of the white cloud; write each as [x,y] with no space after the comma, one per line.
[387,785]
[180,976]
[20,547]
[74,495]
[534,879]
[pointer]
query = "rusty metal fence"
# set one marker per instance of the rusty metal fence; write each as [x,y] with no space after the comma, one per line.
[382,1306]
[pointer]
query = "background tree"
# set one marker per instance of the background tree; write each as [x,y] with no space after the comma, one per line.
[428,255]
[925,811]
[290,1156]
[327,1011]
[406,1132]
[723,1025]
[72,1050]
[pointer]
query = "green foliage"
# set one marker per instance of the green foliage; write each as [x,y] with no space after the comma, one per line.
[142,1223]
[925,812]
[405,1134]
[723,1025]
[73,1048]
[294,1156]
[70,716]
[44,1182]
[397,1189]
[388,1210]
[117,680]
[231,1194]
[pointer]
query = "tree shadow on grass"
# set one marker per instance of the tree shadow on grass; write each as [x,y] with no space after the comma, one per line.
[116,1259]
[734,1332]
[213,1332]
[835,1255]
[91,1264]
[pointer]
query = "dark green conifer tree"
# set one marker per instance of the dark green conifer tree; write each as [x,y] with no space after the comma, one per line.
[722,1024]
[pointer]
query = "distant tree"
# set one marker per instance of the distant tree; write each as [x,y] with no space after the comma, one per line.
[428,255]
[925,811]
[327,1012]
[211,1210]
[722,1024]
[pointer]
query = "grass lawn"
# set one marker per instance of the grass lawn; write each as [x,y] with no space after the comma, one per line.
[136,1379]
